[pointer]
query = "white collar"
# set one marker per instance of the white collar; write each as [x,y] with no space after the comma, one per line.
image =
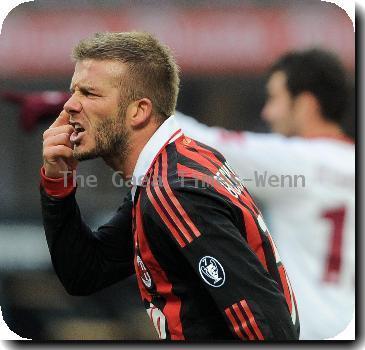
[168,132]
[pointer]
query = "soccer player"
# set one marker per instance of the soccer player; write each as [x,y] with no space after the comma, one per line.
[304,176]
[206,265]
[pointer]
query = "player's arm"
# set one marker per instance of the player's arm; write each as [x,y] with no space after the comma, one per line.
[85,261]
[249,299]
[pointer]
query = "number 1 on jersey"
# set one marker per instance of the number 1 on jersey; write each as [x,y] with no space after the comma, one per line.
[333,262]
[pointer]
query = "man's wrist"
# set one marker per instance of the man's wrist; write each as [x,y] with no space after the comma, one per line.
[59,187]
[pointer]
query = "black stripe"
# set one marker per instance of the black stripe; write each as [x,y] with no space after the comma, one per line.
[238,321]
[219,155]
[243,312]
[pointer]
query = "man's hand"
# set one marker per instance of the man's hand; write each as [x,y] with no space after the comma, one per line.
[57,148]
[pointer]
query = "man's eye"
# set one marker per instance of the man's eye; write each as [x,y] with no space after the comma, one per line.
[88,93]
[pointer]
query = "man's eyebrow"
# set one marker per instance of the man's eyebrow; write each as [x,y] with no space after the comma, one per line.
[84,88]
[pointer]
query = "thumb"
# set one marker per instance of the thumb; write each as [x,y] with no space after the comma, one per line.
[62,119]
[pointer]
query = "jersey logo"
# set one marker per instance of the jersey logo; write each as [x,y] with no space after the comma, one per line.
[229,180]
[145,276]
[212,271]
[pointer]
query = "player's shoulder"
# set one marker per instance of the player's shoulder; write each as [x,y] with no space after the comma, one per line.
[189,165]
[191,158]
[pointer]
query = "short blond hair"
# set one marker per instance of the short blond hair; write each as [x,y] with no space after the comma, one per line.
[152,70]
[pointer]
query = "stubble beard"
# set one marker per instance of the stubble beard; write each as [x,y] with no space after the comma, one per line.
[111,140]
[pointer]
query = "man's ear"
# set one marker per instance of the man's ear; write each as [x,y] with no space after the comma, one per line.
[139,112]
[308,102]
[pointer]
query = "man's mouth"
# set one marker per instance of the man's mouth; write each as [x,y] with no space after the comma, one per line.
[76,136]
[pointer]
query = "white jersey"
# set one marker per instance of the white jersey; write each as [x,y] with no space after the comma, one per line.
[307,187]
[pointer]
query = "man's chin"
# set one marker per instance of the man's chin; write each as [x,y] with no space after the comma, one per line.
[84,155]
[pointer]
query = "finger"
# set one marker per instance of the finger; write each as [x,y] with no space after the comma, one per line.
[60,139]
[62,119]
[59,151]
[72,163]
[69,129]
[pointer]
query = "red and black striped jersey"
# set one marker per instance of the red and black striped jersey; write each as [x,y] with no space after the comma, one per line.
[206,265]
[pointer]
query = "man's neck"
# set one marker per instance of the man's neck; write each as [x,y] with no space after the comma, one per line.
[322,128]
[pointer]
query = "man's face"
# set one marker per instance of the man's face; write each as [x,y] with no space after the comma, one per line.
[97,110]
[279,109]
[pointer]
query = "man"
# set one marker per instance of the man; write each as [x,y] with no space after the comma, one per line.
[304,176]
[206,265]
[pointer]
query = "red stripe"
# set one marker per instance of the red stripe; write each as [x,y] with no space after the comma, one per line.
[163,216]
[206,152]
[253,233]
[251,320]
[283,277]
[236,328]
[284,282]
[158,326]
[243,322]
[196,157]
[211,156]
[202,160]
[167,207]
[253,236]
[174,200]
[163,285]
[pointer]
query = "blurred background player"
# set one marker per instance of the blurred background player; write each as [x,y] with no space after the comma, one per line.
[304,174]
[222,84]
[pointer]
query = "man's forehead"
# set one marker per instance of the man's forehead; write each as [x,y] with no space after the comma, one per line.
[96,72]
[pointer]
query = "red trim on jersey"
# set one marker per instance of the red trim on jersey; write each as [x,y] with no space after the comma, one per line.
[283,278]
[251,320]
[207,163]
[163,216]
[56,187]
[235,325]
[163,286]
[142,289]
[172,197]
[196,157]
[167,207]
[253,234]
[211,156]
[206,152]
[243,322]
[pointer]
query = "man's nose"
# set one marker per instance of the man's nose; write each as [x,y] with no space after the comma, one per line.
[72,105]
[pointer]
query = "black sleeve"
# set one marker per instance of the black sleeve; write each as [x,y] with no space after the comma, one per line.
[243,290]
[86,261]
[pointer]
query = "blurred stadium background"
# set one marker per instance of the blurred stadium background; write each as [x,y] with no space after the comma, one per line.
[223,48]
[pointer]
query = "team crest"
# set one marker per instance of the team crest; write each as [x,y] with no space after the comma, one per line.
[212,271]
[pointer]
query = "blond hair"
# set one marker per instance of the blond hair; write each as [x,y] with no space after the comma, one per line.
[152,70]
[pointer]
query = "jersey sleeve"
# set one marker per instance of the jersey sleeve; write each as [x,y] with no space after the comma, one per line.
[242,289]
[266,163]
[84,260]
